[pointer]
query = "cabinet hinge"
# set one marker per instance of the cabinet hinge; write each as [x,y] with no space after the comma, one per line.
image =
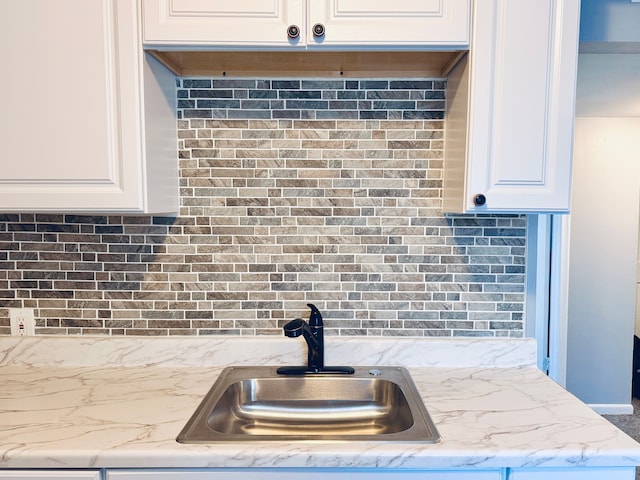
[546,364]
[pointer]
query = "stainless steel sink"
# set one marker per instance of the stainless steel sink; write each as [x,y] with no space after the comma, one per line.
[257,404]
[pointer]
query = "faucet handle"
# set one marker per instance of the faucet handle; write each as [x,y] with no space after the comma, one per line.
[315,317]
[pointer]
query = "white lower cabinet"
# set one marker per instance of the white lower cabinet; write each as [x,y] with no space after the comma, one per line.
[299,473]
[596,473]
[50,474]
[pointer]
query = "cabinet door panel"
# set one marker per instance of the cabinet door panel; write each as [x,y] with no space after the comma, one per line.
[298,473]
[521,140]
[62,99]
[38,96]
[510,109]
[50,475]
[72,132]
[516,105]
[622,473]
[246,23]
[397,23]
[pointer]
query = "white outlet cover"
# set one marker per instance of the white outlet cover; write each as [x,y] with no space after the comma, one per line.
[26,316]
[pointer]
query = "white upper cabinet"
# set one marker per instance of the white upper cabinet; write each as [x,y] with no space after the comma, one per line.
[75,135]
[312,23]
[510,109]
[424,23]
[244,23]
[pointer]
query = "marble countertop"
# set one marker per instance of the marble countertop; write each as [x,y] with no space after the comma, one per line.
[105,402]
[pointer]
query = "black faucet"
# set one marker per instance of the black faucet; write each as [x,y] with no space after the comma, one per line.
[313,333]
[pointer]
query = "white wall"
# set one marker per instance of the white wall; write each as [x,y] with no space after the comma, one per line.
[608,85]
[637,329]
[602,259]
[604,220]
[609,21]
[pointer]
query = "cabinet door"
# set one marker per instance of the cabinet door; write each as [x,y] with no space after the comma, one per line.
[511,108]
[72,126]
[390,23]
[264,23]
[50,474]
[298,473]
[595,473]
[245,23]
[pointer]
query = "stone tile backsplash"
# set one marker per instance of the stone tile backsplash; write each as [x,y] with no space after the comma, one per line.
[292,192]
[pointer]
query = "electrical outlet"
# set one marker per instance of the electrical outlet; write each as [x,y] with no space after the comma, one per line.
[22,322]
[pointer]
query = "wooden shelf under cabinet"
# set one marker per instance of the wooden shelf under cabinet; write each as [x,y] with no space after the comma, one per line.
[310,64]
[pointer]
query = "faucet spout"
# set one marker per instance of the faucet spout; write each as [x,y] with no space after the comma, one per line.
[315,318]
[298,327]
[313,333]
[316,351]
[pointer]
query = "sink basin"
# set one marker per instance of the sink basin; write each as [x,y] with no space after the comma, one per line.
[257,404]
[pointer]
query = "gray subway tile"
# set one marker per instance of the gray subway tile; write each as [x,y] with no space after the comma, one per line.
[244,247]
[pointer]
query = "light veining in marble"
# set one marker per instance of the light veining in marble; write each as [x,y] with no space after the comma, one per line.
[77,416]
[212,351]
